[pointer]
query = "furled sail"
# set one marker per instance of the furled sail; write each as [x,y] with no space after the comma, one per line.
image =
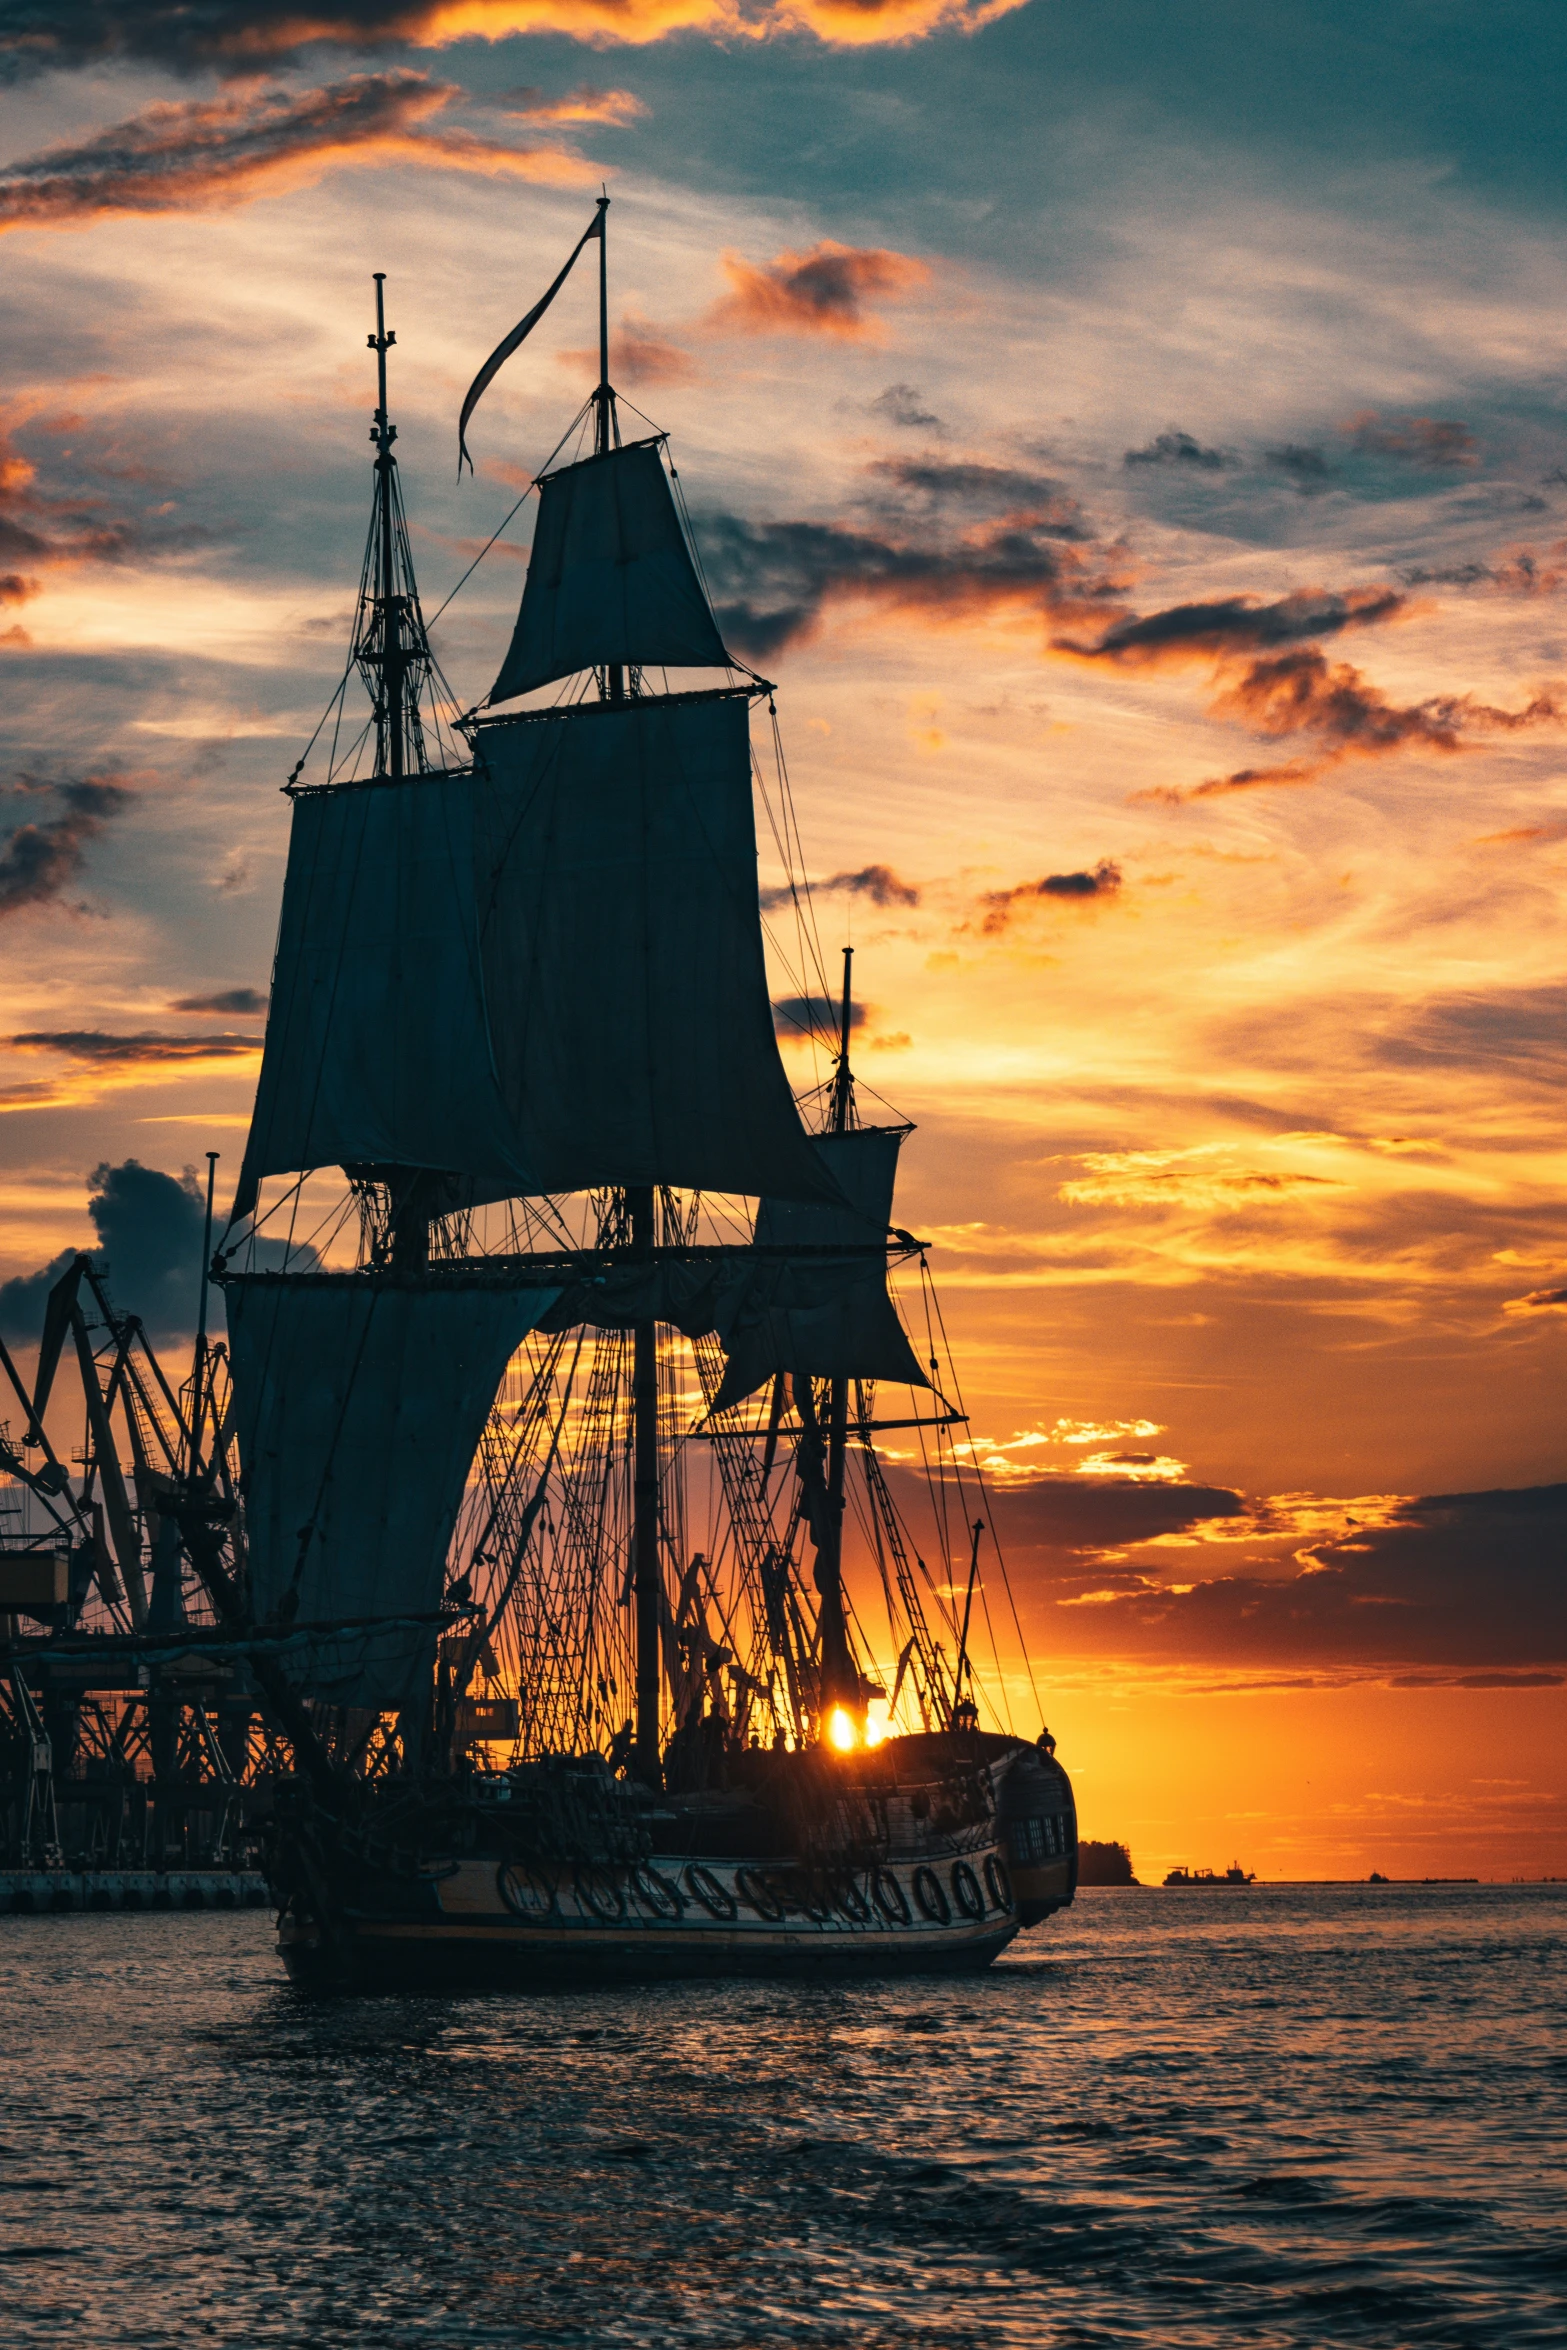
[855,1333]
[610,579]
[359,1402]
[376,1049]
[622,952]
[710,1291]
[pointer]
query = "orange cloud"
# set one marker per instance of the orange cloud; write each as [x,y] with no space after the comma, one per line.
[822,292]
[638,354]
[1301,693]
[236,33]
[616,109]
[255,141]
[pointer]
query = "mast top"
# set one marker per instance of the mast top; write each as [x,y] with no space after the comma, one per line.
[606,426]
[391,647]
[382,433]
[843,1083]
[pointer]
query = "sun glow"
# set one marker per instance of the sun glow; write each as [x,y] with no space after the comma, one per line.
[842,1731]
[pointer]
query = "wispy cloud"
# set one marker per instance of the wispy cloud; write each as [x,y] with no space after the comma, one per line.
[254,140]
[613,109]
[936,483]
[43,531]
[236,1001]
[1203,1177]
[107,1051]
[823,292]
[639,353]
[1515,571]
[1433,442]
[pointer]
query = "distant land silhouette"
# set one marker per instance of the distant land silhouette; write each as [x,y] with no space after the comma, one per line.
[1104,1864]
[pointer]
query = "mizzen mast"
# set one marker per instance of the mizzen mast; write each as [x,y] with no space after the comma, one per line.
[840,1676]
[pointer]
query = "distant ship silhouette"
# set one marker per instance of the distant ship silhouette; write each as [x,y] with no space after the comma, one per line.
[1233,1875]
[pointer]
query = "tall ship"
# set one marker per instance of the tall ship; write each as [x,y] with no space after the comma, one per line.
[540,1495]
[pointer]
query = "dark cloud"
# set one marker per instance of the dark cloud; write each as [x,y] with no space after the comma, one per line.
[1345,716]
[230,146]
[189,35]
[1539,1301]
[39,861]
[1076,888]
[1523,1030]
[1242,779]
[1178,448]
[150,1229]
[107,1051]
[1089,1515]
[1299,693]
[1308,468]
[1031,498]
[814,1015]
[1471,1581]
[50,532]
[901,404]
[772,581]
[1517,571]
[878,883]
[237,1000]
[1416,440]
[1240,624]
[822,292]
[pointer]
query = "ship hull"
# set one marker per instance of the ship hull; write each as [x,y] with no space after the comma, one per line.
[487,1923]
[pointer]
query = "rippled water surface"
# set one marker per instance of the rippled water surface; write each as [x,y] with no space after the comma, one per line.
[1298,2117]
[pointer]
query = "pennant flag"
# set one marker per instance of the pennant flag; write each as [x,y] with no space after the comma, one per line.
[519,334]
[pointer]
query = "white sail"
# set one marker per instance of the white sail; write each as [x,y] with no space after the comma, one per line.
[610,579]
[376,1051]
[359,1402]
[855,1334]
[622,952]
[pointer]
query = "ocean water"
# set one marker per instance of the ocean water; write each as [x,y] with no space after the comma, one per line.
[1317,2117]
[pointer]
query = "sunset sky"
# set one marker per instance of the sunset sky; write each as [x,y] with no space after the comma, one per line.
[1135,439]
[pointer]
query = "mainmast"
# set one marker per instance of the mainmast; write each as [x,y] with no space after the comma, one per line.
[840,1677]
[638,1225]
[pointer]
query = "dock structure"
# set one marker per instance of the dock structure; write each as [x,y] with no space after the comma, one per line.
[137,1755]
[36,1892]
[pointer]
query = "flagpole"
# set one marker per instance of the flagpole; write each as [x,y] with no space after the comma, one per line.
[602,436]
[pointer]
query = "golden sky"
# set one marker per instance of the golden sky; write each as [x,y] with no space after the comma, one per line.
[1137,452]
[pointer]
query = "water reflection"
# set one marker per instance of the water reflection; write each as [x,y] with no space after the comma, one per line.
[1335,2115]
